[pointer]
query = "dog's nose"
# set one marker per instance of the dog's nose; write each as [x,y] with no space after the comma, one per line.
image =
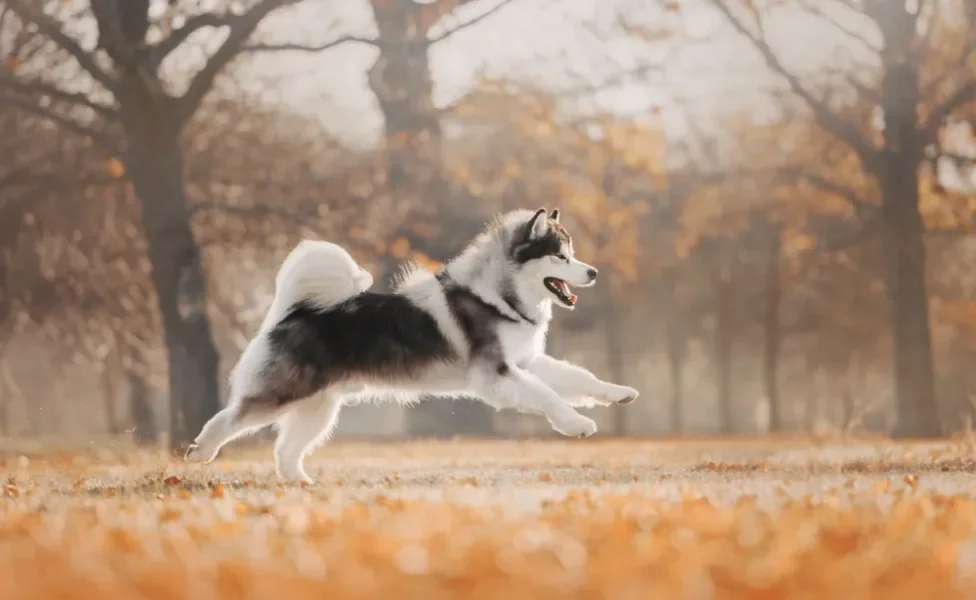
[592,274]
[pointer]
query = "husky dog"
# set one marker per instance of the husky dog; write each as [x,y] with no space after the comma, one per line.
[477,327]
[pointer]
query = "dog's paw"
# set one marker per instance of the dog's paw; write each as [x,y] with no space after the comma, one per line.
[196,453]
[292,472]
[578,427]
[620,394]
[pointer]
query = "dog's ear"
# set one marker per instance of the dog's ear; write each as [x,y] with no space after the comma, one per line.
[538,225]
[554,215]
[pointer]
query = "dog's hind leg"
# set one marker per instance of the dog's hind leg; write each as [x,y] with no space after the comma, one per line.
[236,420]
[307,423]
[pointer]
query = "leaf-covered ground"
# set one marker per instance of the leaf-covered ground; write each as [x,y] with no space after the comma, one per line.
[513,520]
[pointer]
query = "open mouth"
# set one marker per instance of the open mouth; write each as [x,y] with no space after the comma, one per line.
[560,289]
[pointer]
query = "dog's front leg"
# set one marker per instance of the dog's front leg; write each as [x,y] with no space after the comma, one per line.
[520,389]
[575,383]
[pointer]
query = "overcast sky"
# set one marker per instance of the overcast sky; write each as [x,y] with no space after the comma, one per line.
[560,43]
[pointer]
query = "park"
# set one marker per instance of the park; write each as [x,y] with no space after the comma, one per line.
[779,197]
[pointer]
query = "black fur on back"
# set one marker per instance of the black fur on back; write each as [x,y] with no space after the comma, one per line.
[380,336]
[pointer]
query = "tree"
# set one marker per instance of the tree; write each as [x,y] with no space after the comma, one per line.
[130,113]
[917,108]
[401,80]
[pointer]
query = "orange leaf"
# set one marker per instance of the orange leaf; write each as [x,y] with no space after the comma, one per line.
[217,491]
[115,167]
[400,248]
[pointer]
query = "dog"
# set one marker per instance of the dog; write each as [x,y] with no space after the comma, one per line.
[476,327]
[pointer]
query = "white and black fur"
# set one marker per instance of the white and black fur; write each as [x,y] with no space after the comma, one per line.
[476,328]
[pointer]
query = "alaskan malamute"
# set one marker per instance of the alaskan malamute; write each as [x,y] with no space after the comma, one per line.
[477,328]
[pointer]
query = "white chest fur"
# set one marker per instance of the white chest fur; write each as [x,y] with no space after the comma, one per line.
[522,342]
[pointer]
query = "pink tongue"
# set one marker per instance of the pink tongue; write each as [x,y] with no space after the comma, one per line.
[564,288]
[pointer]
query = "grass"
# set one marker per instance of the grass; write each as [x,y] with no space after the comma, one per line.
[594,519]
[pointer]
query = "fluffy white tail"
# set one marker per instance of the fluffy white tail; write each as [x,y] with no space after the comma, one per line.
[315,271]
[318,272]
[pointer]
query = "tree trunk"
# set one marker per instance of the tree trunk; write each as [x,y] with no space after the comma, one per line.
[402,83]
[908,306]
[724,340]
[6,398]
[677,344]
[723,359]
[812,409]
[155,166]
[144,431]
[676,365]
[111,367]
[772,333]
[112,426]
[615,355]
[812,404]
[902,226]
[8,391]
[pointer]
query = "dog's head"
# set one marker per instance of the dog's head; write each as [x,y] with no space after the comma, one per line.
[542,250]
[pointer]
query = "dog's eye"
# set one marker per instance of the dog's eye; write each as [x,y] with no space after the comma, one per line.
[562,257]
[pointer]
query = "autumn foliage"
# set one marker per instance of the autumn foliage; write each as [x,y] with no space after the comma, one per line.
[614,520]
[741,248]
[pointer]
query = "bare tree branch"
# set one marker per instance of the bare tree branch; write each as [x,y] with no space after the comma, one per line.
[864,91]
[611,82]
[241,29]
[28,174]
[50,28]
[471,22]
[867,152]
[816,8]
[159,51]
[291,47]
[98,137]
[256,210]
[860,206]
[37,87]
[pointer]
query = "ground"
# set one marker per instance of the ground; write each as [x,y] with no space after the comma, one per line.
[469,519]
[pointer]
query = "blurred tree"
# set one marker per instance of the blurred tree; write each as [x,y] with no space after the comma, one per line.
[125,107]
[916,106]
[435,222]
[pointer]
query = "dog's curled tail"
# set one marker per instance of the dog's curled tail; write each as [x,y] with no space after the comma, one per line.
[315,271]
[319,272]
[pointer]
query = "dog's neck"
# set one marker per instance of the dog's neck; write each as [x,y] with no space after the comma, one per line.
[479,270]
[537,310]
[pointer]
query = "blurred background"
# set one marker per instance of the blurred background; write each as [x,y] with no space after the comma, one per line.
[779,194]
